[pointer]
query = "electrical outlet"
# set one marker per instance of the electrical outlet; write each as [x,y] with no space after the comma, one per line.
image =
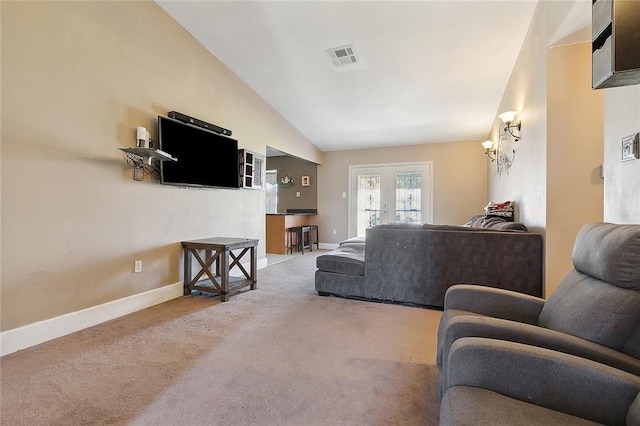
[334,232]
[137,266]
[344,195]
[297,194]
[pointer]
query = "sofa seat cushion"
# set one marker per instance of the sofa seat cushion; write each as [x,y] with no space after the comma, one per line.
[466,405]
[355,242]
[347,260]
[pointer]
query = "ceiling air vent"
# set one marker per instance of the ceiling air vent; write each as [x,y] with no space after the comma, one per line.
[342,56]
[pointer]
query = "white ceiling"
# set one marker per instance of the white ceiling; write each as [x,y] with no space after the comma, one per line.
[430,71]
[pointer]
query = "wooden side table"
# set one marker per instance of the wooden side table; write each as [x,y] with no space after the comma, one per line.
[218,250]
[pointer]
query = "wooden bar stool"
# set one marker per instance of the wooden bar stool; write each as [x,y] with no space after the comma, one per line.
[314,230]
[302,238]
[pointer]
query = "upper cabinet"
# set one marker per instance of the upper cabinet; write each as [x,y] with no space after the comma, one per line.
[615,43]
[251,169]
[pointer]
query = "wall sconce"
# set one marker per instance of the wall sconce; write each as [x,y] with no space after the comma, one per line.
[503,152]
[507,118]
[489,150]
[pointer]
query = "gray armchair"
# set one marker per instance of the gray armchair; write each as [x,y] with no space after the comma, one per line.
[496,382]
[594,313]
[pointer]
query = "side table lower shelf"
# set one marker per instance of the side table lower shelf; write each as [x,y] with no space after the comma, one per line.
[234,285]
[216,266]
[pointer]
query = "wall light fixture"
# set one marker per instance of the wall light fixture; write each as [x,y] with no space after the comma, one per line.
[503,151]
[489,150]
[507,118]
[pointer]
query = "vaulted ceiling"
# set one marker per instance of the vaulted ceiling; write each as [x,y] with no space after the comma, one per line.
[426,71]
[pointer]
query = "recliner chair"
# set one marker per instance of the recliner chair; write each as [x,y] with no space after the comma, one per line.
[495,382]
[594,313]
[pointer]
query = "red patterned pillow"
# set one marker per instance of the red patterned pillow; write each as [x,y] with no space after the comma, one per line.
[502,210]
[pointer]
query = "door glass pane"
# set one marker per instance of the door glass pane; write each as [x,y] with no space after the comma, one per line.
[408,197]
[389,193]
[368,202]
[271,188]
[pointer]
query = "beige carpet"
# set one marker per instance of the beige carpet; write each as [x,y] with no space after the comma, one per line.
[279,355]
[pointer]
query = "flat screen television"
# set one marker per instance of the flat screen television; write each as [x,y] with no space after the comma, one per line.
[205,158]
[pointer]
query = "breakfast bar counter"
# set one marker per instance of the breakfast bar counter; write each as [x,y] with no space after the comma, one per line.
[277,225]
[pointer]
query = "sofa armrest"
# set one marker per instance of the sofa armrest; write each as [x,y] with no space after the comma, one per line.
[460,327]
[494,302]
[544,377]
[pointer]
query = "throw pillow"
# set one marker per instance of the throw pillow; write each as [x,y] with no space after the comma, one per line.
[502,210]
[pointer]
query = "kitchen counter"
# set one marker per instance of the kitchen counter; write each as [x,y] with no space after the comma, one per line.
[291,214]
[277,225]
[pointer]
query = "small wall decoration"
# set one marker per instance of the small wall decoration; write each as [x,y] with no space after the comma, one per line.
[630,147]
[305,181]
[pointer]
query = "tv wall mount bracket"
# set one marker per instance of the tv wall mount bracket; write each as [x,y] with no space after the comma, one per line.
[141,160]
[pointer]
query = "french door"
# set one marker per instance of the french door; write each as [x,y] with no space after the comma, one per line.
[389,193]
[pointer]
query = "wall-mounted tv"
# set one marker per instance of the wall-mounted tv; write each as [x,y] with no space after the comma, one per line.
[205,158]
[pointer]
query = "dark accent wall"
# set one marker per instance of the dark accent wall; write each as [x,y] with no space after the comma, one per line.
[295,168]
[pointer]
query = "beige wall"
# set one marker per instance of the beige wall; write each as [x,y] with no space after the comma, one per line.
[526,92]
[459,182]
[574,154]
[1,172]
[77,78]
[622,179]
[554,180]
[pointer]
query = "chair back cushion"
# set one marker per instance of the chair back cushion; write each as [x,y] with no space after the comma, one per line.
[599,300]
[610,253]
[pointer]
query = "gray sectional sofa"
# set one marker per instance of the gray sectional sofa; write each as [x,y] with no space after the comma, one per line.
[415,264]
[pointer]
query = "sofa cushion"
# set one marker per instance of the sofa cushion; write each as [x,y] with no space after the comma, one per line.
[494,223]
[400,225]
[507,226]
[610,253]
[599,299]
[461,228]
[477,223]
[466,405]
[355,241]
[348,260]
[586,307]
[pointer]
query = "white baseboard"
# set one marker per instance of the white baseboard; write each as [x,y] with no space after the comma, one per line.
[42,331]
[263,263]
